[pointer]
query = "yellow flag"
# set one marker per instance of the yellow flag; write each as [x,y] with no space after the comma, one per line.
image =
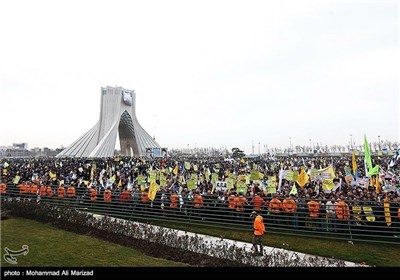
[120,183]
[176,169]
[369,214]
[327,184]
[328,173]
[354,163]
[53,176]
[386,206]
[92,171]
[153,190]
[187,165]
[371,181]
[303,177]
[378,185]
[16,179]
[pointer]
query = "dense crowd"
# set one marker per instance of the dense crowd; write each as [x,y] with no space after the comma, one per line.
[197,186]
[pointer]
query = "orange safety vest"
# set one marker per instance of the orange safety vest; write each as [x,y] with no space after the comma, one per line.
[124,197]
[61,192]
[3,188]
[231,201]
[275,205]
[174,200]
[145,197]
[257,202]
[240,202]
[198,201]
[34,189]
[289,205]
[71,192]
[107,196]
[313,207]
[342,210]
[24,188]
[42,191]
[259,227]
[49,191]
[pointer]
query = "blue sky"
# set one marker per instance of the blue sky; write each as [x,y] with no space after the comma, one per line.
[205,73]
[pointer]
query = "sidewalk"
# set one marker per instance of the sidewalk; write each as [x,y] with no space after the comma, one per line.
[212,241]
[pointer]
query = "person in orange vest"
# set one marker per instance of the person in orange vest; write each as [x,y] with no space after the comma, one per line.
[49,193]
[3,189]
[257,201]
[61,191]
[173,202]
[289,206]
[61,194]
[231,204]
[313,208]
[197,204]
[342,211]
[144,197]
[107,195]
[124,199]
[275,206]
[42,192]
[24,189]
[259,230]
[240,202]
[34,191]
[71,194]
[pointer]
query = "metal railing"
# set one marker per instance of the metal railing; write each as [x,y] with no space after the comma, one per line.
[358,224]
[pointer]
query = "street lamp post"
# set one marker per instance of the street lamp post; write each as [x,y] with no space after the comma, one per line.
[379,142]
[290,144]
[310,146]
[351,141]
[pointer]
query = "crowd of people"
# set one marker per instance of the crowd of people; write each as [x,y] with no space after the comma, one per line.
[215,189]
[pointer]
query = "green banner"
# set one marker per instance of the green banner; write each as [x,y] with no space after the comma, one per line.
[163,180]
[191,184]
[254,175]
[241,187]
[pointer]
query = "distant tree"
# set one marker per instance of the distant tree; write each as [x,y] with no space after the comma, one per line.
[237,153]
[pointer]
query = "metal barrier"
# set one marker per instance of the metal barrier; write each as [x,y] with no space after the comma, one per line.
[350,220]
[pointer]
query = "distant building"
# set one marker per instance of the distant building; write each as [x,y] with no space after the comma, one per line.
[13,151]
[21,145]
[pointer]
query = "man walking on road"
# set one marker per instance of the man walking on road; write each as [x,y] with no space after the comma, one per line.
[259,229]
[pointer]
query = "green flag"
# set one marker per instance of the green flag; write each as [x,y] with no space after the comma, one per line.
[294,190]
[369,170]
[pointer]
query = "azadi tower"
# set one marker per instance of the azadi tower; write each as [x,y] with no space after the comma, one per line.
[117,115]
